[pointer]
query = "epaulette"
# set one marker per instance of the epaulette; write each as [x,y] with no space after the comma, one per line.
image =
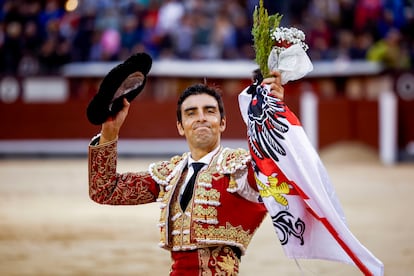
[231,160]
[163,171]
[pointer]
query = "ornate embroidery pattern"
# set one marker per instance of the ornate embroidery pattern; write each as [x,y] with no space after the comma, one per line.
[198,225]
[108,187]
[218,261]
[164,171]
[207,197]
[232,160]
[204,258]
[214,234]
[205,214]
[225,261]
[205,179]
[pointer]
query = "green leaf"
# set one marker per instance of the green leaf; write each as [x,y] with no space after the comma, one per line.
[262,43]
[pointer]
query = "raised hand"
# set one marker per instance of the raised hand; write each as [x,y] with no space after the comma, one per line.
[112,126]
[275,83]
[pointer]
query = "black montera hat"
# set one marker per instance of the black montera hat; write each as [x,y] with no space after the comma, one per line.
[126,80]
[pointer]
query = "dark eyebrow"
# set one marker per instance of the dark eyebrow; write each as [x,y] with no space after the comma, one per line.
[204,107]
[210,106]
[190,109]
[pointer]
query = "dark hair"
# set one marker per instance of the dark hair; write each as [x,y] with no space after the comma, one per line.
[198,89]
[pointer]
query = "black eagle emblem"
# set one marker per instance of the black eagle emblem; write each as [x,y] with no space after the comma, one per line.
[265,127]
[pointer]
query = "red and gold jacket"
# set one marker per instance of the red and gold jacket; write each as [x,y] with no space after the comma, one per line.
[224,209]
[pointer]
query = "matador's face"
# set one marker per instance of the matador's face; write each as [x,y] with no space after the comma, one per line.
[201,122]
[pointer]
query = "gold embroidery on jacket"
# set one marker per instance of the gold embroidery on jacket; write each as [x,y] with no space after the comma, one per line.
[205,214]
[209,197]
[232,160]
[204,259]
[222,233]
[198,225]
[107,186]
[225,261]
[180,227]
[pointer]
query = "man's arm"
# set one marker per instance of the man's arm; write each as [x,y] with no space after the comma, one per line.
[275,85]
[106,186]
[110,128]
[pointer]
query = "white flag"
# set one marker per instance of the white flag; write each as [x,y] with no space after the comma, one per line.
[296,188]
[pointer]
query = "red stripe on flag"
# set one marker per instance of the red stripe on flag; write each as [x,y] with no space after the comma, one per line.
[291,117]
[334,233]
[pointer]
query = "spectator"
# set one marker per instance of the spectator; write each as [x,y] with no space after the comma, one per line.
[319,40]
[244,38]
[151,38]
[51,12]
[131,34]
[110,44]
[389,51]
[367,15]
[183,38]
[191,29]
[360,47]
[203,26]
[12,47]
[169,15]
[223,36]
[83,38]
[345,40]
[108,19]
[393,15]
[32,41]
[346,14]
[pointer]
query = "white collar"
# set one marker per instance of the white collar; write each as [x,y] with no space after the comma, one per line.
[206,159]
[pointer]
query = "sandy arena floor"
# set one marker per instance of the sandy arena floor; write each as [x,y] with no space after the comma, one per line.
[49,226]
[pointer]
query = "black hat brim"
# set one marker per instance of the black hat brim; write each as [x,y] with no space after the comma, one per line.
[103,105]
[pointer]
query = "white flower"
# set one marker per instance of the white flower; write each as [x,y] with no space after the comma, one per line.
[290,36]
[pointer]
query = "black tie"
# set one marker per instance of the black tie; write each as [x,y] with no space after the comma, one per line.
[188,192]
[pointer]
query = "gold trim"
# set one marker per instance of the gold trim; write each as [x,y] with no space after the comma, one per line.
[226,233]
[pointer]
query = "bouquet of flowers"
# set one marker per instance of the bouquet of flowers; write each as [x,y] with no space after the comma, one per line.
[279,48]
[285,37]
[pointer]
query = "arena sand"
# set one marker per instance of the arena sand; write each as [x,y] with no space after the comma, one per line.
[49,226]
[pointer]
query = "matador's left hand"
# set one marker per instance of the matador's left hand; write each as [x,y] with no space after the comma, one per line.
[276,87]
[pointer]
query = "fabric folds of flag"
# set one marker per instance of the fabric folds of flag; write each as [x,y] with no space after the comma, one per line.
[295,186]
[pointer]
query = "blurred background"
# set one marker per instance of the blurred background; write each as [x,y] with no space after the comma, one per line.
[356,106]
[38,37]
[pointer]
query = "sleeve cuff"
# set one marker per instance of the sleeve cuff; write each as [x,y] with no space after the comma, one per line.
[95,141]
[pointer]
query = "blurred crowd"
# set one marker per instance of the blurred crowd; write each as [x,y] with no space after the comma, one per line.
[38,37]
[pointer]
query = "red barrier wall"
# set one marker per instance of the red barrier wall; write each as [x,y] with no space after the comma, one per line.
[342,115]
